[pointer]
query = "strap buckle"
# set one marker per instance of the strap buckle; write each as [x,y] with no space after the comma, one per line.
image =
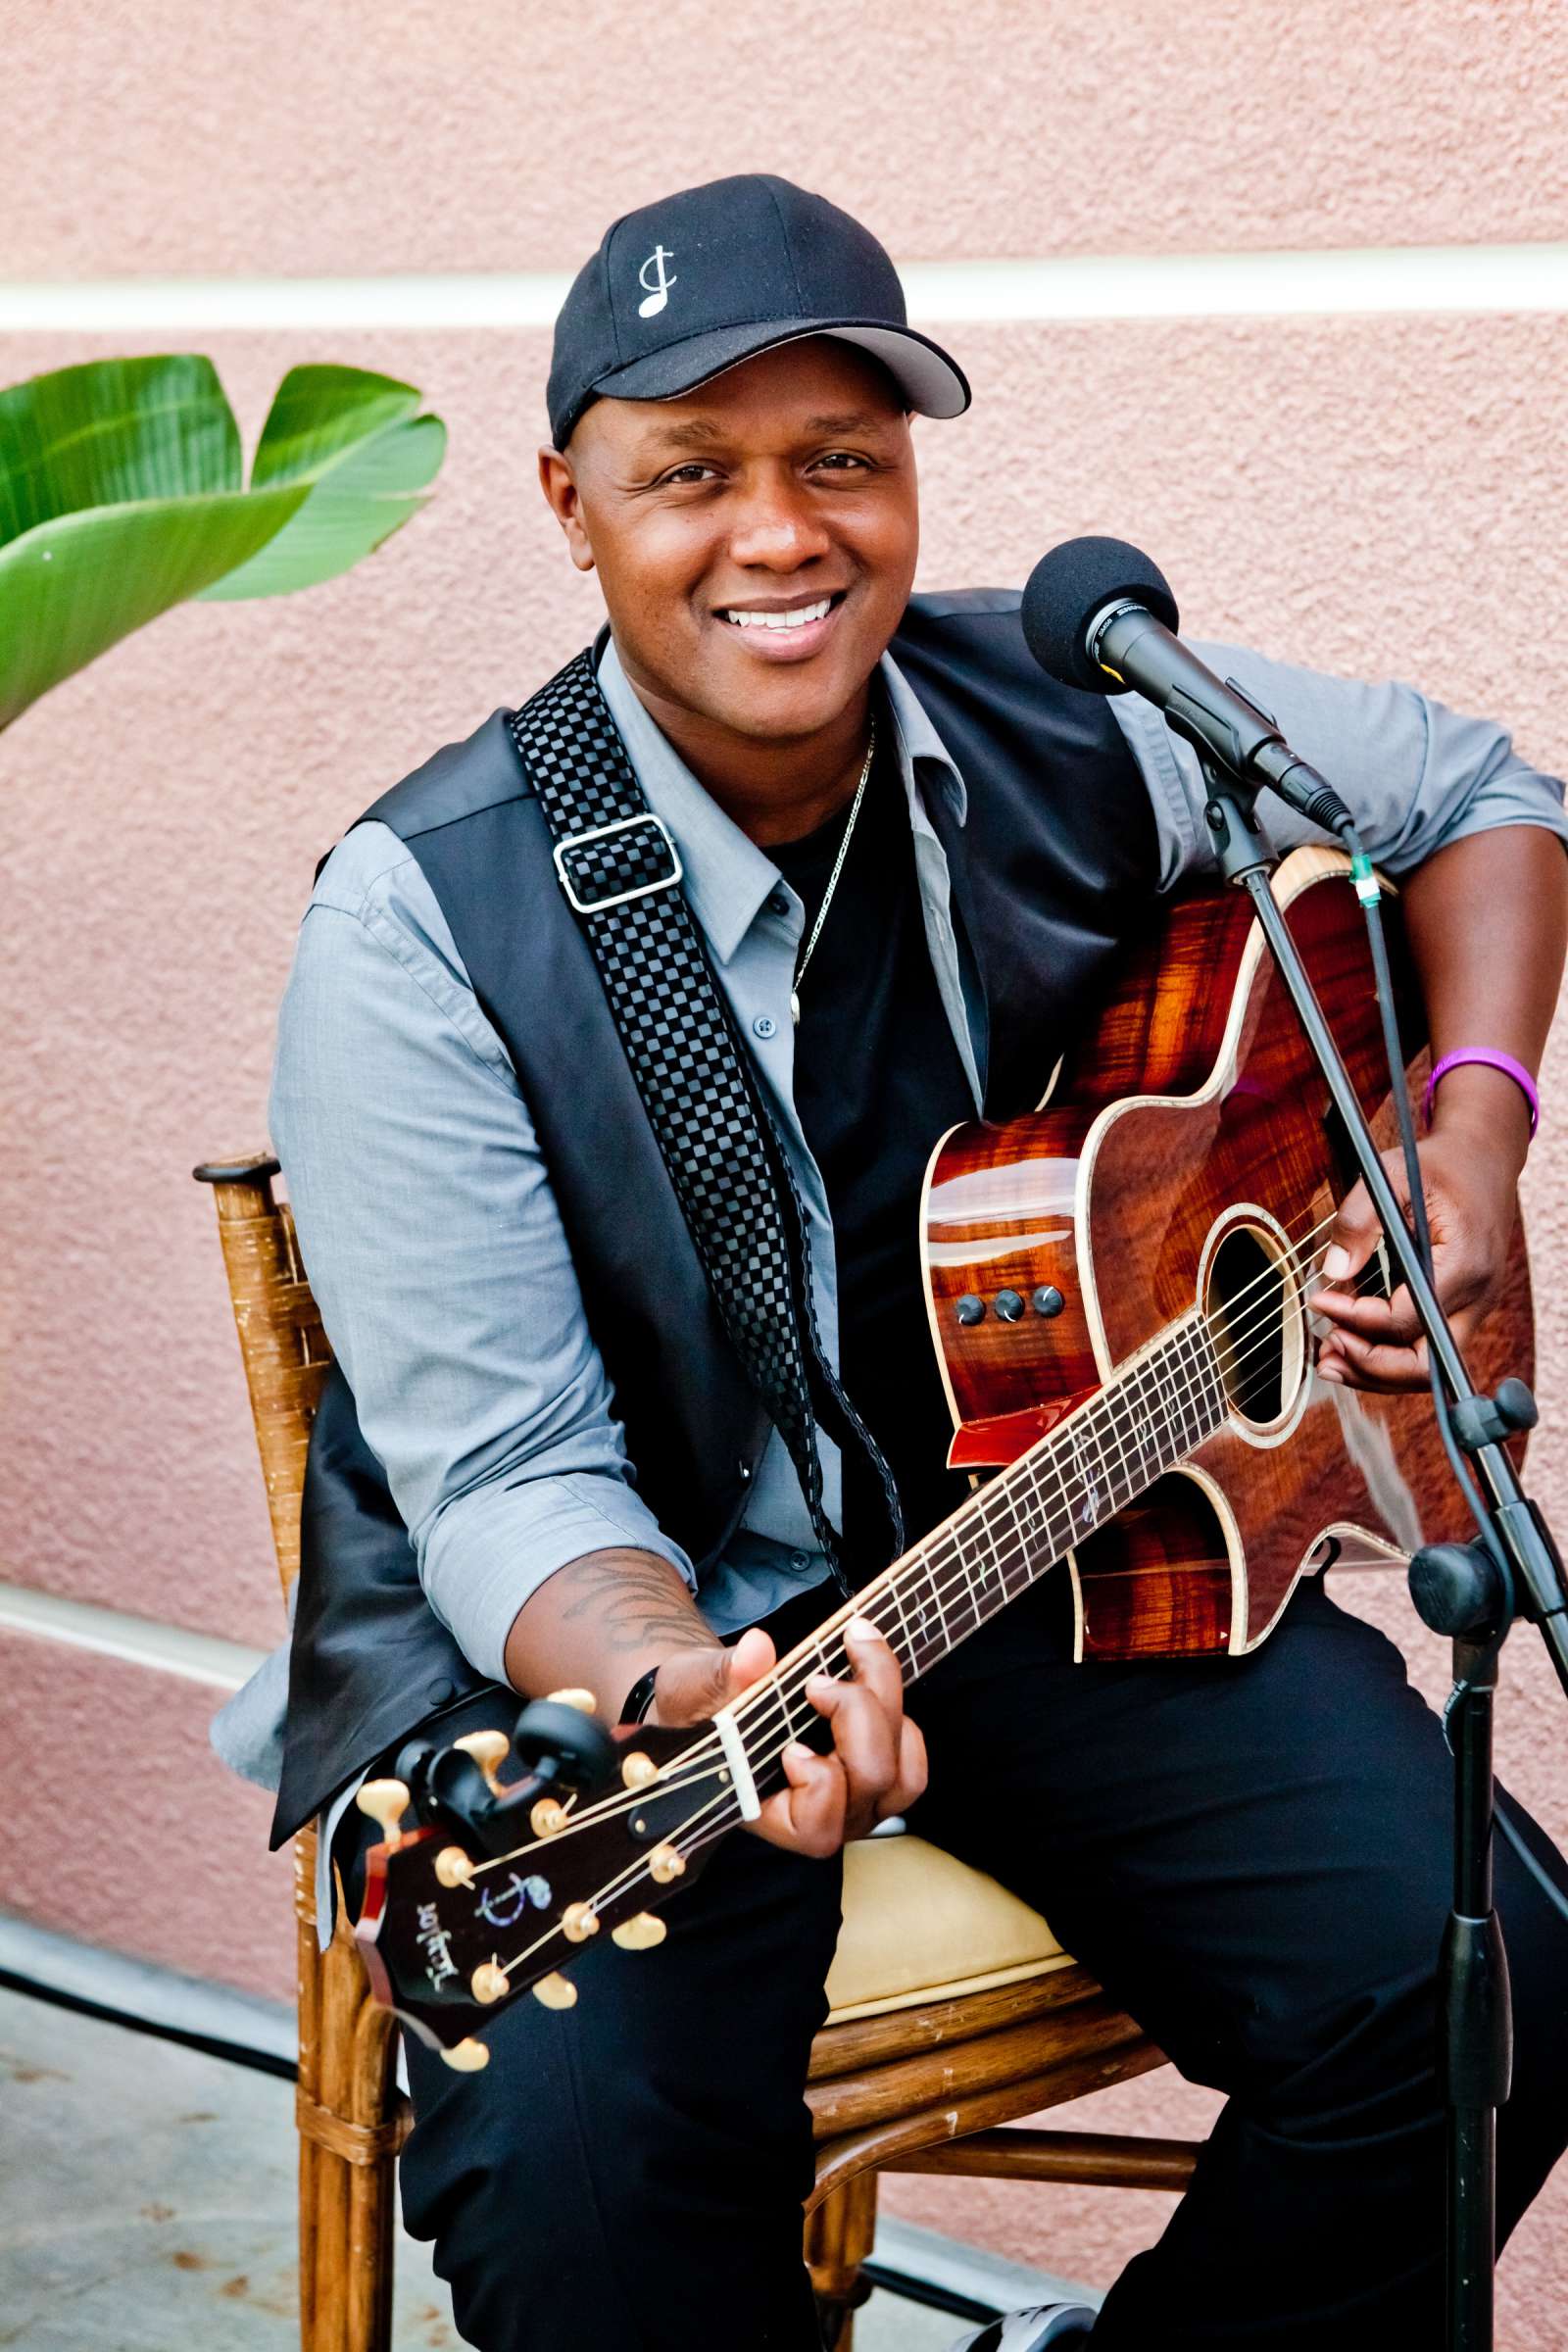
[576,842]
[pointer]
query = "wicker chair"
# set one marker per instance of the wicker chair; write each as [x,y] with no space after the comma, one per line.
[953,2009]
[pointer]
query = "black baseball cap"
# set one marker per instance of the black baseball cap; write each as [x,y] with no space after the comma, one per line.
[682,289]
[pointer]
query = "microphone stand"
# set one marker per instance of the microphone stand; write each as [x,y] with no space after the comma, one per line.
[1473,1592]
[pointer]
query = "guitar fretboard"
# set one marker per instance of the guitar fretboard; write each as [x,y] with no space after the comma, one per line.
[1157,1409]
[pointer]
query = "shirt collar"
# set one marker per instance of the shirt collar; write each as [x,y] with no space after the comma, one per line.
[727,877]
[922,755]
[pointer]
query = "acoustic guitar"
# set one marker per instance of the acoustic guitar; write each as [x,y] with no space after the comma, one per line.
[1120,1288]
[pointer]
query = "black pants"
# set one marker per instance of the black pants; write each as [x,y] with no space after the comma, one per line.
[1252,1857]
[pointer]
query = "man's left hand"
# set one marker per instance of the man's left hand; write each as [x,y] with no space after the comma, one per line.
[1471,1187]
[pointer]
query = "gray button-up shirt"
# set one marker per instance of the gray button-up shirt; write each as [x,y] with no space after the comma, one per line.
[424,1207]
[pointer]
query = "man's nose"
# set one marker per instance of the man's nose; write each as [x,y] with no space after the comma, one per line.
[776,528]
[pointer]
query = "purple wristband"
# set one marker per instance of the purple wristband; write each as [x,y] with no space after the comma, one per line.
[1493,1060]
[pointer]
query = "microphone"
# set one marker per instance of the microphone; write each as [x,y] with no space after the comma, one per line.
[1098,614]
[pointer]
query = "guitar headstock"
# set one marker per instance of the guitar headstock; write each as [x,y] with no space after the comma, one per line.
[450,1932]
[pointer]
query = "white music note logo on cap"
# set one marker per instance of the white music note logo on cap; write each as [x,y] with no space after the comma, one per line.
[657,286]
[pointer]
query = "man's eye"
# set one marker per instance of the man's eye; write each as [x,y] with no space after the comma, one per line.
[693,472]
[841,460]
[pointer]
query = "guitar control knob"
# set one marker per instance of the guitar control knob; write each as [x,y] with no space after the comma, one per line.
[639,1935]
[488,1982]
[468,2057]
[488,1749]
[556,1992]
[453,1867]
[578,1922]
[666,1863]
[1047,1300]
[970,1308]
[1009,1305]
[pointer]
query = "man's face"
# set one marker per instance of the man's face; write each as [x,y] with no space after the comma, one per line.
[784,487]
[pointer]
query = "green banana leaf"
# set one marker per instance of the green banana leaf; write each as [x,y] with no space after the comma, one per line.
[122,493]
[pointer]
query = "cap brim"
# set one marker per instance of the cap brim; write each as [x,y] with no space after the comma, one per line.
[932,384]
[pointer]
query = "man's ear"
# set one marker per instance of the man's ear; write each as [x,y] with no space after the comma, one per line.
[558,484]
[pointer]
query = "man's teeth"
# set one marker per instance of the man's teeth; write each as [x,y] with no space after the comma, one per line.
[797,619]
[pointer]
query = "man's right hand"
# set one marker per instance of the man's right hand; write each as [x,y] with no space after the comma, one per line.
[877,1763]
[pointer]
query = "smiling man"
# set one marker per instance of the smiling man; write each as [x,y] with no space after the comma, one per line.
[753,647]
[617,1041]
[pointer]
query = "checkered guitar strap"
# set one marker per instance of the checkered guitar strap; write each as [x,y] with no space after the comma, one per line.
[621,874]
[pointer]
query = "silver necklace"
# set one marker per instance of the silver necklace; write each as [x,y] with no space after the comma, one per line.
[832,880]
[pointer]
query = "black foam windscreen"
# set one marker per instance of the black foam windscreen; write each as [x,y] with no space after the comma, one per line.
[1071,584]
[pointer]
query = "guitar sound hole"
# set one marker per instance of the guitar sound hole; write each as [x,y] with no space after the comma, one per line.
[1251,1304]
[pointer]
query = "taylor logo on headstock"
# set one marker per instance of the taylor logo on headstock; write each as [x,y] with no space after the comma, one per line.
[436,1944]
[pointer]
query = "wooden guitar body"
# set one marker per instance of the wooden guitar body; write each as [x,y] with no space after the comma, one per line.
[1187,1153]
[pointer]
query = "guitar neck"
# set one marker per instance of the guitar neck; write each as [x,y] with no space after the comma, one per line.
[1158,1408]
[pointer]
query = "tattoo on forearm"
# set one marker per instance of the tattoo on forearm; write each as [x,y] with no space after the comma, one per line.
[634,1601]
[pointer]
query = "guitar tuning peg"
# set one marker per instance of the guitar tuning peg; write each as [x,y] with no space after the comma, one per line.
[488,1751]
[468,2057]
[578,1922]
[639,1935]
[453,1867]
[548,1817]
[489,1983]
[665,1863]
[583,1700]
[556,1992]
[385,1801]
[637,1769]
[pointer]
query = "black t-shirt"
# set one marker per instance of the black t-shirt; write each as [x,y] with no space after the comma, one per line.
[877,1080]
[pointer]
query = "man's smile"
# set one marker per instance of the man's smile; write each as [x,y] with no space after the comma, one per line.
[783,629]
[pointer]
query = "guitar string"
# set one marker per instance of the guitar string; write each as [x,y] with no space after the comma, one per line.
[682,1837]
[1047,1510]
[683,1840]
[589,1816]
[1039,1517]
[607,1807]
[700,1827]
[777,1693]
[706,1834]
[1111,1425]
[606,1894]
[1116,1424]
[1040,1508]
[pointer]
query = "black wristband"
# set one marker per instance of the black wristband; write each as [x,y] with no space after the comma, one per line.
[640,1697]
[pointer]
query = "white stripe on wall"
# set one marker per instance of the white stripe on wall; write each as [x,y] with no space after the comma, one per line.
[1227,285]
[139,1640]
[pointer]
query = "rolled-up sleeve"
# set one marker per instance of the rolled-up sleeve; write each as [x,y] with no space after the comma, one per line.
[1415,774]
[435,1249]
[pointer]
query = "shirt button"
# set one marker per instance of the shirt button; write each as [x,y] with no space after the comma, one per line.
[765,1025]
[799,1561]
[777,903]
[438,1693]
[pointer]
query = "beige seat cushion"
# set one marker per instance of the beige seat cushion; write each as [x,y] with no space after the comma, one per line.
[921,1927]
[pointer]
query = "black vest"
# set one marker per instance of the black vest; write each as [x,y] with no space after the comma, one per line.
[1053,870]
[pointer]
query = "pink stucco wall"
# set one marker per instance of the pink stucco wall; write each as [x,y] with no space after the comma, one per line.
[1373,494]
[504,137]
